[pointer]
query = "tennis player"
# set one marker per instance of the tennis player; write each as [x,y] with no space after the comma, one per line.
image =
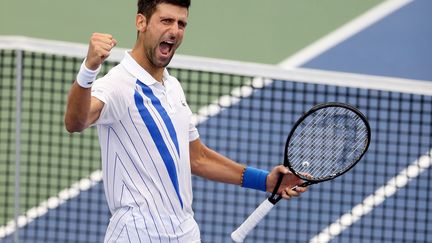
[149,145]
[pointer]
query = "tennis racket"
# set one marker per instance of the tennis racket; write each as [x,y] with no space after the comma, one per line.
[324,143]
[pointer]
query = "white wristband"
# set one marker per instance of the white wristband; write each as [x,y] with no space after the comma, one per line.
[85,76]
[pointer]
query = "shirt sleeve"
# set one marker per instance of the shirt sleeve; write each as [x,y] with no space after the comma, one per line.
[193,131]
[106,90]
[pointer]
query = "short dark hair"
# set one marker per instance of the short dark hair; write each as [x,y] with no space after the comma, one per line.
[148,7]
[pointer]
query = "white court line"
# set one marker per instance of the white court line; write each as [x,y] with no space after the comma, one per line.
[346,31]
[297,59]
[52,203]
[325,43]
[374,200]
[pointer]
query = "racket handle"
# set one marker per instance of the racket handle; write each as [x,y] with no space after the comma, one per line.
[260,212]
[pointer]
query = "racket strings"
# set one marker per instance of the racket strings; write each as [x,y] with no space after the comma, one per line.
[362,141]
[309,130]
[349,143]
[331,159]
[329,141]
[330,163]
[319,116]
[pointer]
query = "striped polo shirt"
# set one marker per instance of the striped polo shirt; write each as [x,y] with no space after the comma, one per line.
[144,133]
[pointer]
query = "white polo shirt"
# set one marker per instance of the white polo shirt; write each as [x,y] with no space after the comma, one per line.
[144,133]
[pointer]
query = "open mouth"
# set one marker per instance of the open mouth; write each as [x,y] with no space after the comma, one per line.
[165,47]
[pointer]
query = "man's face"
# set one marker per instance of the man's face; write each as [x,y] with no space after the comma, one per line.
[164,33]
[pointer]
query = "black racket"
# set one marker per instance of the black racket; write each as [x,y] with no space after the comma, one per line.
[324,143]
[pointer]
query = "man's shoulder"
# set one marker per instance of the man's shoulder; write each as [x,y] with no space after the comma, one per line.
[116,76]
[116,83]
[118,72]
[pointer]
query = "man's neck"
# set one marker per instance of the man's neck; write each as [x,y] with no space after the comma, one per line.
[155,72]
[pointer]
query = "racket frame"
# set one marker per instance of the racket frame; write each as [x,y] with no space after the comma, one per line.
[264,208]
[274,198]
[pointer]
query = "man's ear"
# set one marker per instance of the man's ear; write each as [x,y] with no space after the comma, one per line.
[140,22]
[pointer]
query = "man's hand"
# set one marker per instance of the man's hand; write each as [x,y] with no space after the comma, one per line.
[288,182]
[99,49]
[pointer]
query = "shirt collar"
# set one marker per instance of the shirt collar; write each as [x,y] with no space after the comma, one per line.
[140,73]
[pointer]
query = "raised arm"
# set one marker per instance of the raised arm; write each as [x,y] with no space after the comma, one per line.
[82,109]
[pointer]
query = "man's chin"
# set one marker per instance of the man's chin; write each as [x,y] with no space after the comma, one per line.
[164,61]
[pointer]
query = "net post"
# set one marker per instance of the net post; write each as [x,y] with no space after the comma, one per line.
[18,90]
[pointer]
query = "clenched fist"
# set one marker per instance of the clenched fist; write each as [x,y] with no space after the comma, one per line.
[99,49]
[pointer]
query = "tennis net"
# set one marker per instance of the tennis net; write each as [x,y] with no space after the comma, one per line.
[50,181]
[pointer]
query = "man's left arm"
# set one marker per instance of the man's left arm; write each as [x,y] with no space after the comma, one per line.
[211,165]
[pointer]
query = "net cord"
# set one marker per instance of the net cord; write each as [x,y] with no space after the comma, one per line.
[304,75]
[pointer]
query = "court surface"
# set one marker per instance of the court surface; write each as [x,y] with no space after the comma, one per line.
[246,30]
[397,45]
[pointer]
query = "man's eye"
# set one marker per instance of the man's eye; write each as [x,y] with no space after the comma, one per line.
[166,21]
[182,25]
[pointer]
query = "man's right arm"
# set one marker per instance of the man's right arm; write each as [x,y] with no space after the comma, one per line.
[82,109]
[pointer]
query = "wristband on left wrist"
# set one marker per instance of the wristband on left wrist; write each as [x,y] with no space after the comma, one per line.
[254,178]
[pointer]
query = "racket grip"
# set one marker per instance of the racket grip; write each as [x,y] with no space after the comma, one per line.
[260,212]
